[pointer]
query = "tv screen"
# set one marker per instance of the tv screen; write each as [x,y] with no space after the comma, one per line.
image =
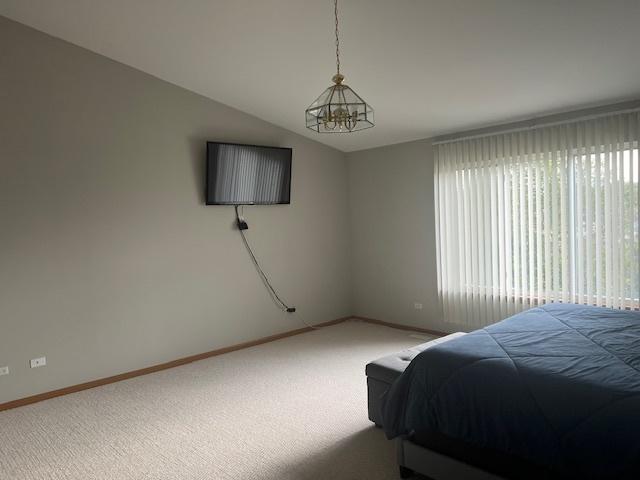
[247,174]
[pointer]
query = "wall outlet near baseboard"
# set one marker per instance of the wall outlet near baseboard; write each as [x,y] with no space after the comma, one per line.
[4,371]
[417,306]
[38,362]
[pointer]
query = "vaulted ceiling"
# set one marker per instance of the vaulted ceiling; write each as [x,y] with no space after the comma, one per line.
[427,67]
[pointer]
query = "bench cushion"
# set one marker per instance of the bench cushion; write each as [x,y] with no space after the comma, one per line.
[387,369]
[382,373]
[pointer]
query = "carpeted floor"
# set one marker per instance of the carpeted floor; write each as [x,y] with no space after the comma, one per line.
[291,409]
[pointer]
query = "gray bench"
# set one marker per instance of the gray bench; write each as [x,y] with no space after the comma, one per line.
[382,372]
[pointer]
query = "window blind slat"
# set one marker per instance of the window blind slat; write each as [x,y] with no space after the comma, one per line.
[564,193]
[538,200]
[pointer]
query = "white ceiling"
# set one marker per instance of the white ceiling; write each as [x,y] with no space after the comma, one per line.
[427,67]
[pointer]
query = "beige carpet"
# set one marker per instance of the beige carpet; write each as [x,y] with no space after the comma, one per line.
[291,409]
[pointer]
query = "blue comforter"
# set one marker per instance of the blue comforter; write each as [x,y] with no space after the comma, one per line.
[558,386]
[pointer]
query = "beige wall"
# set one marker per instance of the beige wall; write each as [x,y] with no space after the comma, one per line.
[109,261]
[393,236]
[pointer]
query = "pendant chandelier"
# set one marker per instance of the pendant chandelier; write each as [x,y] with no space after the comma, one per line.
[339,109]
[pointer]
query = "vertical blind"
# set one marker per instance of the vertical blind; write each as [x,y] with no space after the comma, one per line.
[547,214]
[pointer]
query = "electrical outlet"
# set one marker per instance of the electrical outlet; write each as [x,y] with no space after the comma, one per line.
[38,362]
[4,371]
[417,306]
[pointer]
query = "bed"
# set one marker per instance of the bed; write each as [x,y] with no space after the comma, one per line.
[552,392]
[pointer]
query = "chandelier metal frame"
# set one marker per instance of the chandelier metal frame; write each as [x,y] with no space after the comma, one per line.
[339,109]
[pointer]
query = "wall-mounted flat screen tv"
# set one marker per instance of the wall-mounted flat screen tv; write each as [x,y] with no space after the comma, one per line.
[247,174]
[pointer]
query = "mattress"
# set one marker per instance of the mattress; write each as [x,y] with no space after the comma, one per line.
[557,387]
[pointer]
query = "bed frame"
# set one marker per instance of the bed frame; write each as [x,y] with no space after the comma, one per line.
[413,458]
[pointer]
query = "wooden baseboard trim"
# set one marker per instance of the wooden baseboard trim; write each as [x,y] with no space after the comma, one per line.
[156,368]
[401,327]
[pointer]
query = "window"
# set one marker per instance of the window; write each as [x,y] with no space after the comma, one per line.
[542,215]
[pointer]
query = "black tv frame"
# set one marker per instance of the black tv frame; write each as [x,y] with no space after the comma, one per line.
[206,193]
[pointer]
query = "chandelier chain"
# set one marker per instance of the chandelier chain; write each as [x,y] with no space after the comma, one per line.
[335,4]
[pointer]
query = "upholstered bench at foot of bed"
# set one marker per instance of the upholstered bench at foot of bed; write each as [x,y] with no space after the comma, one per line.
[382,372]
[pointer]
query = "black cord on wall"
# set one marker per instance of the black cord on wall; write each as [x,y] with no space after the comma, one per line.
[242,226]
